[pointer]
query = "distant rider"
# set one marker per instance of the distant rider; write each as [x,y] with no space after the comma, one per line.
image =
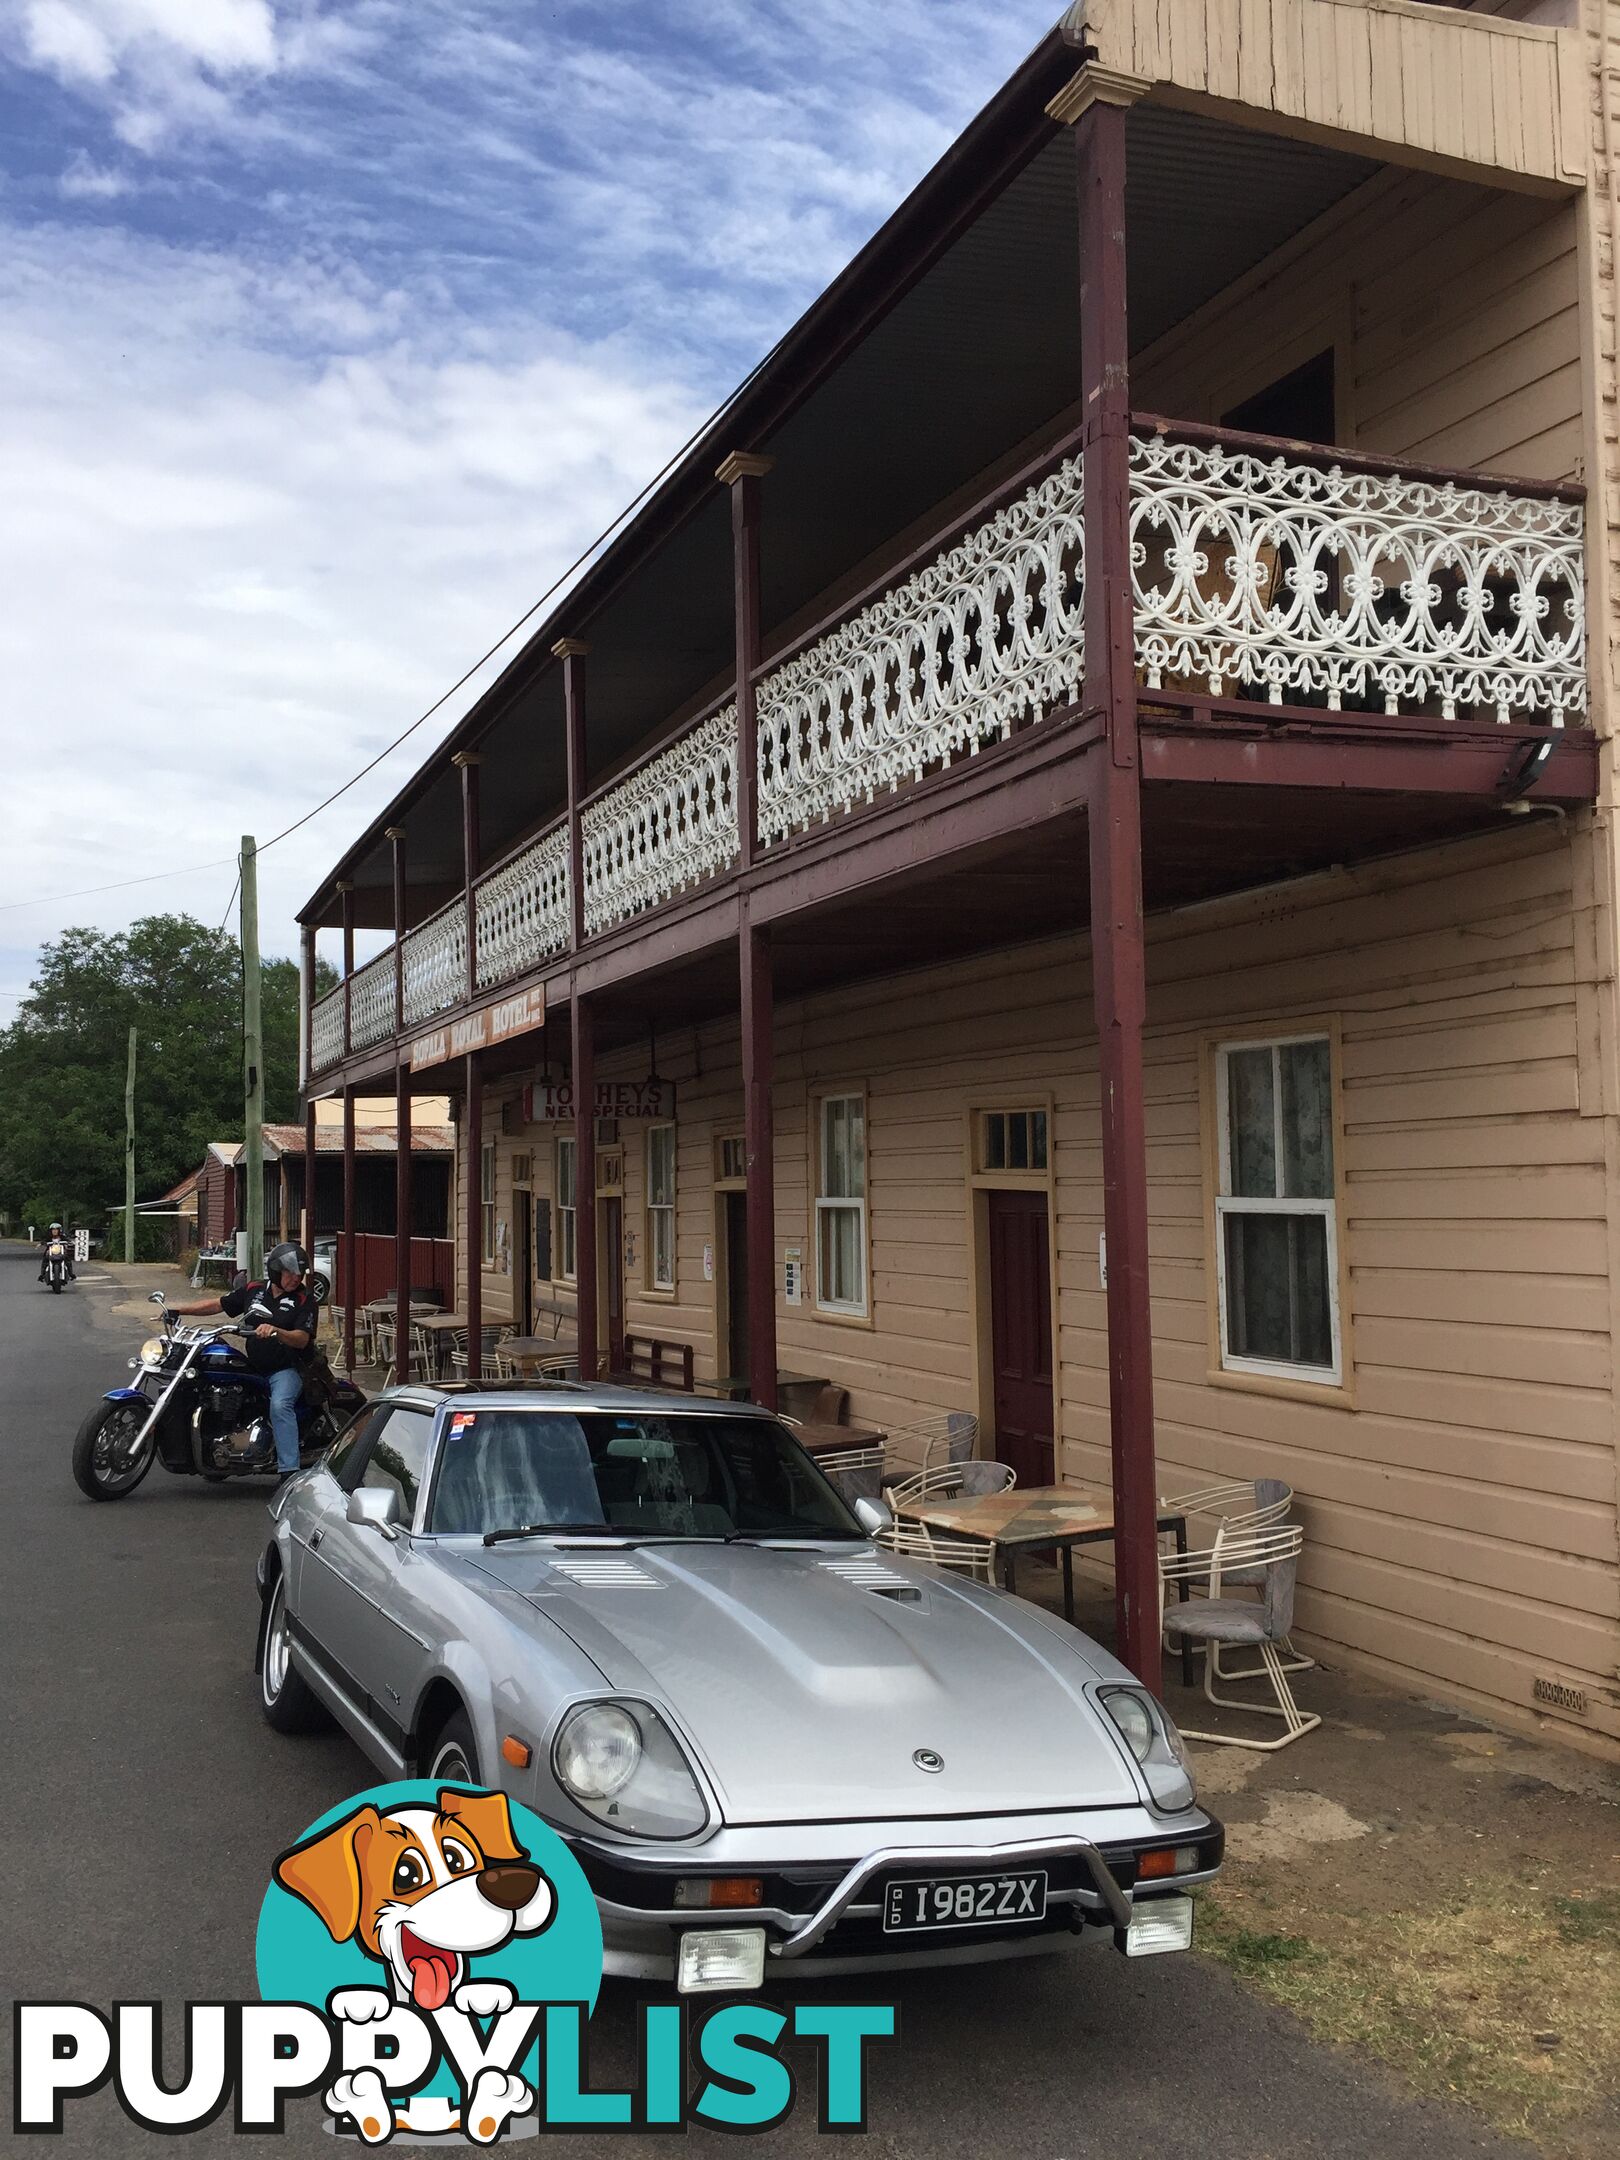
[282,1319]
[52,1235]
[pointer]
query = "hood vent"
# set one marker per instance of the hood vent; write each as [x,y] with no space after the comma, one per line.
[867,1573]
[602,1571]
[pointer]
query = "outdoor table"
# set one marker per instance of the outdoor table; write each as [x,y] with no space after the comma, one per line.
[734,1386]
[818,1439]
[525,1350]
[1034,1518]
[435,1324]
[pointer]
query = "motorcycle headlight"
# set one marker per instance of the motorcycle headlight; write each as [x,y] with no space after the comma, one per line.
[152,1351]
[620,1762]
[1149,1731]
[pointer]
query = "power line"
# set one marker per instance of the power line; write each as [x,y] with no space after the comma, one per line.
[87,892]
[506,637]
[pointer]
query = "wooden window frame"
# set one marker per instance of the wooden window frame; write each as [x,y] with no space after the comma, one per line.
[650,1208]
[1309,1383]
[487,1186]
[565,1249]
[855,1314]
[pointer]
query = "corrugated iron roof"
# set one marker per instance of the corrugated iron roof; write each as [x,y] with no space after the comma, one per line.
[368,1140]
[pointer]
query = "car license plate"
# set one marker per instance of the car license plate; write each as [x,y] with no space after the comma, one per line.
[916,1902]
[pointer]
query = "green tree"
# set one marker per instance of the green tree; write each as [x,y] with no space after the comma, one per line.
[62,1063]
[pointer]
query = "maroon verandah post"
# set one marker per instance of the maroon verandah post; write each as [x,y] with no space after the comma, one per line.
[350,1289]
[1115,839]
[472,1194]
[571,652]
[742,472]
[307,968]
[402,1127]
[584,1063]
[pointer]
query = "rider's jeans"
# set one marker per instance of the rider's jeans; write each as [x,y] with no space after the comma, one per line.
[285,1388]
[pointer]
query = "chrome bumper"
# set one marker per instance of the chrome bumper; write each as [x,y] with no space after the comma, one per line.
[989,1857]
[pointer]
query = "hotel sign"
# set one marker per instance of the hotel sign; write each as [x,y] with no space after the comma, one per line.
[481,1030]
[549,1102]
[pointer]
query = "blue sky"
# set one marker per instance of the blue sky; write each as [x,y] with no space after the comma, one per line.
[330,330]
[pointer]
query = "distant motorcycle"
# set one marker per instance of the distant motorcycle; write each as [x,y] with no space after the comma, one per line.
[56,1265]
[201,1410]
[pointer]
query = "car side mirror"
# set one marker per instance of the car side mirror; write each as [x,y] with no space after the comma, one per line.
[874,1516]
[156,1297]
[375,1507]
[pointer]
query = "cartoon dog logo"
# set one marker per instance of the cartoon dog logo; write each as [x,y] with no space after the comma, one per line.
[422,1890]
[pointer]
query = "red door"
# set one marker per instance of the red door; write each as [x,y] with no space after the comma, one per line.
[1021,1333]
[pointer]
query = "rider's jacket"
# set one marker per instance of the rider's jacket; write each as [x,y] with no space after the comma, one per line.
[256,1303]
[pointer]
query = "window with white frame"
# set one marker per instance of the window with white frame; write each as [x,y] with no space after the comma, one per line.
[661,1207]
[841,1205]
[1276,1214]
[486,1201]
[567,1216]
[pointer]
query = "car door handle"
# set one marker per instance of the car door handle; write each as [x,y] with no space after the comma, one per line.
[315,1537]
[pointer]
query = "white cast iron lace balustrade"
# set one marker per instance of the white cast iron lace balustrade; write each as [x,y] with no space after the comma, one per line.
[987,634]
[523,910]
[326,1031]
[666,825]
[436,963]
[1273,577]
[371,1006]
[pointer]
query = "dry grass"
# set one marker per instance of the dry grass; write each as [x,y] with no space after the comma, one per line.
[1452,1994]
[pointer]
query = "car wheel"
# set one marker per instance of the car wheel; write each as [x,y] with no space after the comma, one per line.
[107,1462]
[288,1701]
[319,1288]
[454,1754]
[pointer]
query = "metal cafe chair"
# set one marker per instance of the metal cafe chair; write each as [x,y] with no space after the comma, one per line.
[917,1542]
[1237,1505]
[856,1471]
[1269,1552]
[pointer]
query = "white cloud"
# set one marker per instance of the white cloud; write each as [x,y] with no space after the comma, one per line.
[233,573]
[83,180]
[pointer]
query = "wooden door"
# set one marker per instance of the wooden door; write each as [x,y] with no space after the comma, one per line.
[523,1261]
[1021,1333]
[737,1360]
[611,1279]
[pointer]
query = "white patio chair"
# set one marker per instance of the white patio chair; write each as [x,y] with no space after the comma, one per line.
[949,1438]
[1267,1554]
[952,1481]
[857,1471]
[917,1542]
[1239,1506]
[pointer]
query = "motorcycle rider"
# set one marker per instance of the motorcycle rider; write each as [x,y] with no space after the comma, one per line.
[283,1319]
[56,1231]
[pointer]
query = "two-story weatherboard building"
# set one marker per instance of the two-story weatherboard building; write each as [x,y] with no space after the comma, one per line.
[1063,864]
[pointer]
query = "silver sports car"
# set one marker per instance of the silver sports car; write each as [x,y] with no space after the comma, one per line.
[654,1620]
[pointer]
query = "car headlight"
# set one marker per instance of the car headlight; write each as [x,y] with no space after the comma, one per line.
[152,1351]
[1149,1731]
[620,1762]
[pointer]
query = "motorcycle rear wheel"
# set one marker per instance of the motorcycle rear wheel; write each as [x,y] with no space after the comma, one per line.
[97,1471]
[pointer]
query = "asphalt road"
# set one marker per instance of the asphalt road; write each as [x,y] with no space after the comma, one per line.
[144,1800]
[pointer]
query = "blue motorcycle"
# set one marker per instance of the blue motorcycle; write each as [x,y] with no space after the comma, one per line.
[201,1410]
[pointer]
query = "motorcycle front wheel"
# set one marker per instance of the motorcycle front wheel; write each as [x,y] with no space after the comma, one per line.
[107,1464]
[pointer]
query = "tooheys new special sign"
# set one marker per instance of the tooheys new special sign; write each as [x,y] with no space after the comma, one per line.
[482,1030]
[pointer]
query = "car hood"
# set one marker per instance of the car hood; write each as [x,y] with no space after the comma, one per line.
[808,1679]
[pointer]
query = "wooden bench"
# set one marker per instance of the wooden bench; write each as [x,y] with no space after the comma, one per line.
[649,1362]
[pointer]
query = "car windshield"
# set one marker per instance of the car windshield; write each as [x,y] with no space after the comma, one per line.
[639,1474]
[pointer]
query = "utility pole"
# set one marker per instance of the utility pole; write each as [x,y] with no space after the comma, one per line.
[129,1155]
[252,1064]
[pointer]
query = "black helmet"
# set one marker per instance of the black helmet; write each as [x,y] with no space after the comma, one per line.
[286,1260]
